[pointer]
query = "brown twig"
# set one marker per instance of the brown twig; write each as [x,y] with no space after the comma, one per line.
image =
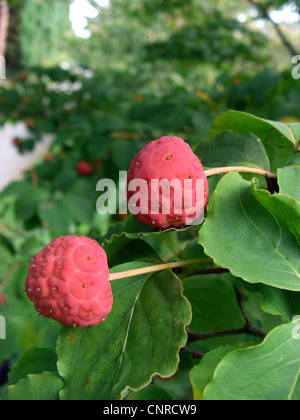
[249,328]
[245,169]
[195,336]
[4,23]
[34,177]
[265,14]
[213,270]
[196,354]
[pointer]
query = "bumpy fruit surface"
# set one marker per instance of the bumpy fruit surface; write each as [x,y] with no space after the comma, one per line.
[68,281]
[168,158]
[84,168]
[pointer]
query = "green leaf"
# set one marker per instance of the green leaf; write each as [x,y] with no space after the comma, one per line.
[15,188]
[134,229]
[242,235]
[193,250]
[178,386]
[42,387]
[295,160]
[141,337]
[57,217]
[230,148]
[171,240]
[24,328]
[28,201]
[121,249]
[150,393]
[82,210]
[203,373]
[243,123]
[279,139]
[214,306]
[123,152]
[269,371]
[33,361]
[125,240]
[289,181]
[284,209]
[277,301]
[6,251]
[7,244]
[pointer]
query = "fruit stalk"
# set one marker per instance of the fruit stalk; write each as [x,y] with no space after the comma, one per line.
[245,169]
[155,268]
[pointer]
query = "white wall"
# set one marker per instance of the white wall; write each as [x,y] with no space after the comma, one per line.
[12,164]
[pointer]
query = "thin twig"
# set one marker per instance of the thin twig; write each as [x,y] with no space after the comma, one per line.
[265,14]
[241,303]
[34,177]
[195,336]
[213,270]
[155,268]
[249,328]
[245,169]
[196,354]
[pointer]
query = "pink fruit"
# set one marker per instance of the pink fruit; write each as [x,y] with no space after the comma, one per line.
[84,168]
[168,158]
[2,299]
[69,282]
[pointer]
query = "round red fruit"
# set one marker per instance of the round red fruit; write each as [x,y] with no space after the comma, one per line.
[68,281]
[173,188]
[84,168]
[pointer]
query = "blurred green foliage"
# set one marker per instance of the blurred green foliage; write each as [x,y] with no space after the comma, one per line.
[43,46]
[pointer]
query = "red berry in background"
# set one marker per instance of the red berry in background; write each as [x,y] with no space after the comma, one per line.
[49,157]
[84,168]
[17,142]
[68,281]
[168,158]
[2,299]
[23,75]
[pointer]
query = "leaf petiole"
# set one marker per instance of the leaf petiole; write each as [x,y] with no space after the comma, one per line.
[155,268]
[246,169]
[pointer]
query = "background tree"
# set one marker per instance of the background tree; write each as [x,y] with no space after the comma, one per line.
[37,33]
